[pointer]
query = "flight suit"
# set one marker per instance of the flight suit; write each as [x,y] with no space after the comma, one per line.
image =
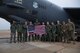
[59,33]
[25,33]
[64,33]
[13,33]
[19,32]
[48,31]
[31,33]
[71,30]
[53,31]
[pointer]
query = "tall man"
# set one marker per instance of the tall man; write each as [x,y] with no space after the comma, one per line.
[59,33]
[53,31]
[19,32]
[48,31]
[64,32]
[43,37]
[37,35]
[31,31]
[71,30]
[25,26]
[13,32]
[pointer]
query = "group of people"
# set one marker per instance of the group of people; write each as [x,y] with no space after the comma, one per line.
[64,32]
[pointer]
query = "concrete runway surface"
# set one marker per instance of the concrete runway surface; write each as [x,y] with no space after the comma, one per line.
[35,47]
[38,47]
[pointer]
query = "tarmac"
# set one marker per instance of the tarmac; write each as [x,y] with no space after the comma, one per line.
[38,47]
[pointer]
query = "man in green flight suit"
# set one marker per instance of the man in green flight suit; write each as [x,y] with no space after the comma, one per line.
[13,32]
[25,26]
[48,31]
[64,32]
[53,31]
[19,32]
[59,33]
[71,30]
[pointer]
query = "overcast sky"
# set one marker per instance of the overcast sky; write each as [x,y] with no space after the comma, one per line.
[4,25]
[63,3]
[66,3]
